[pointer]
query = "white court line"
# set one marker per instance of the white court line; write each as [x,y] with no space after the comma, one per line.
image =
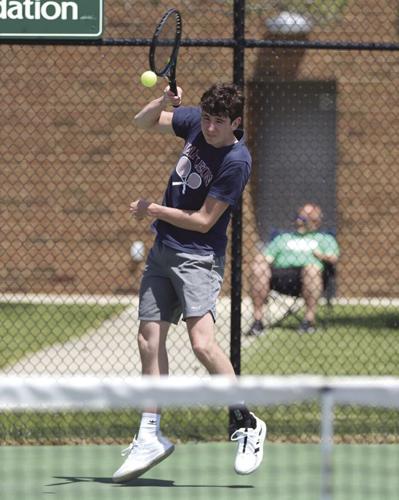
[31,298]
[58,299]
[367,301]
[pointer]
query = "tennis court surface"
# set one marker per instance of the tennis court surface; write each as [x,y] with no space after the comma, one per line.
[198,471]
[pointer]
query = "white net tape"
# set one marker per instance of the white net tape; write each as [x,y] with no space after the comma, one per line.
[94,393]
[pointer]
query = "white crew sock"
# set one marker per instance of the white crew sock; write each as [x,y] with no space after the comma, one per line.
[149,426]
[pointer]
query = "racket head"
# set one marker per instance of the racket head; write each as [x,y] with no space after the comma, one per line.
[165,45]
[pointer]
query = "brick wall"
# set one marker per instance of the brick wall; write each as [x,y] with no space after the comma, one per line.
[71,160]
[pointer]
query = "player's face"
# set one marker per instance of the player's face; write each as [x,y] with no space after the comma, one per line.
[218,130]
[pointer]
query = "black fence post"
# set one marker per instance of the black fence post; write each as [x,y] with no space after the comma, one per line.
[236,243]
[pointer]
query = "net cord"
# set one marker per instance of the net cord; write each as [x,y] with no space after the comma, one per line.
[92,393]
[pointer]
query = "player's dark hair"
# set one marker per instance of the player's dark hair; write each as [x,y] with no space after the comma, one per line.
[223,99]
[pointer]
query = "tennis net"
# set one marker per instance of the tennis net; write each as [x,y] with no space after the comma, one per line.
[328,438]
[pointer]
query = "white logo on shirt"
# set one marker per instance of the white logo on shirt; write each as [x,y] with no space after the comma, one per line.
[188,178]
[199,165]
[302,245]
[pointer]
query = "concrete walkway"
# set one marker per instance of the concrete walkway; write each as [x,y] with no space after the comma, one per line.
[111,349]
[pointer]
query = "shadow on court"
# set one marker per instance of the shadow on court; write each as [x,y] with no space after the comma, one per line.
[160,483]
[200,471]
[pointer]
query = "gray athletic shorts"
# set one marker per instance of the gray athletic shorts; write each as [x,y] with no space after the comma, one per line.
[176,283]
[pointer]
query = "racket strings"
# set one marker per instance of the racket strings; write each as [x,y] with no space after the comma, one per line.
[164,44]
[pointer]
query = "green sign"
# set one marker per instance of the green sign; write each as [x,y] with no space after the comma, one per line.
[51,18]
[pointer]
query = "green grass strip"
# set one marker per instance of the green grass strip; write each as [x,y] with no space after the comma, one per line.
[28,328]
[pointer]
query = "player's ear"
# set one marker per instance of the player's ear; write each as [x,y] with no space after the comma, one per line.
[236,123]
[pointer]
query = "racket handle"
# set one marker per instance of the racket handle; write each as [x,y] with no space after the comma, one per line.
[173,86]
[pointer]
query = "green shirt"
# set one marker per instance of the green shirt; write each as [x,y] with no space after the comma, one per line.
[296,249]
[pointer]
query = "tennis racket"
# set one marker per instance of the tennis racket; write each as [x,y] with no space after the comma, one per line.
[165,47]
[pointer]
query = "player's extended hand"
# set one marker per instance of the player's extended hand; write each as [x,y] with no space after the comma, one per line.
[138,208]
[171,99]
[318,254]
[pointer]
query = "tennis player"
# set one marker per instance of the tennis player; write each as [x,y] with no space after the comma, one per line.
[184,269]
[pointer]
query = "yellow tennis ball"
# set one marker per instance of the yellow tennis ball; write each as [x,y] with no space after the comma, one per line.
[148,78]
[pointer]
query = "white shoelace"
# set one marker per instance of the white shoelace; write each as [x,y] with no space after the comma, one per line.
[241,434]
[127,450]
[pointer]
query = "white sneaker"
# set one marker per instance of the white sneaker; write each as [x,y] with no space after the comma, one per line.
[142,455]
[250,447]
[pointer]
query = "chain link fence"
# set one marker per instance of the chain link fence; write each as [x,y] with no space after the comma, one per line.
[321,119]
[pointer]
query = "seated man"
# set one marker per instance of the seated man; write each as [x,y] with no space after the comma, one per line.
[292,263]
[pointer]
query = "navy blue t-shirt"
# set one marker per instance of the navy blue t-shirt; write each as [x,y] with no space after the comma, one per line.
[202,170]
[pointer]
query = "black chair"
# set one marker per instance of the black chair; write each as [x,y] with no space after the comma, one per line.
[329,285]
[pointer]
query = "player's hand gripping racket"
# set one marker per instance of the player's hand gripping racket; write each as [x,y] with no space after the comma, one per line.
[165,47]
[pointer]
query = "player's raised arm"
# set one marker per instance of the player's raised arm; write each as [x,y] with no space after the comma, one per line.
[155,114]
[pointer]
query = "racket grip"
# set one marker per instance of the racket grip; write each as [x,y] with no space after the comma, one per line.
[173,86]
